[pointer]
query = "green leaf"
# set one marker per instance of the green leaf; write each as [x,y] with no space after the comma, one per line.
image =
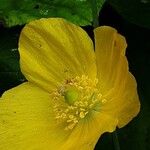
[10,74]
[18,12]
[135,11]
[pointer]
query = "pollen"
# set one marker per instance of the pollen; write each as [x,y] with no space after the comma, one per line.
[74,99]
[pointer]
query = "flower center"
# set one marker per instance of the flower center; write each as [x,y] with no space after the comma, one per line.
[74,99]
[71,96]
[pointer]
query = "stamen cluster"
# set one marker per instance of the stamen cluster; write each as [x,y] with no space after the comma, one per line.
[88,99]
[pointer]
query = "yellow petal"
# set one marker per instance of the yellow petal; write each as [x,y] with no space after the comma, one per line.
[88,131]
[26,120]
[53,49]
[116,83]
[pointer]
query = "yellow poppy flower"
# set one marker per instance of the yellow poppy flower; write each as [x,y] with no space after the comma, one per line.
[73,94]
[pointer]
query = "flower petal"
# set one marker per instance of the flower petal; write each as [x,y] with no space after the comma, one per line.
[53,49]
[116,83]
[26,120]
[88,131]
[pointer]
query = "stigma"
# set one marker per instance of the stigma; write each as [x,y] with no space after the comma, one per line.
[74,99]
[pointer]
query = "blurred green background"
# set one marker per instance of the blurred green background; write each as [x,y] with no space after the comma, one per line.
[130,18]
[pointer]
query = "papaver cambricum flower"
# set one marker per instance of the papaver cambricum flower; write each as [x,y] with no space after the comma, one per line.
[73,93]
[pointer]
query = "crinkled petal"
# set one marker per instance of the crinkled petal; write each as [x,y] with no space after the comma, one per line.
[116,83]
[52,50]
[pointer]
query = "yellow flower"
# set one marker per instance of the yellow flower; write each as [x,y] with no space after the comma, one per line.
[73,94]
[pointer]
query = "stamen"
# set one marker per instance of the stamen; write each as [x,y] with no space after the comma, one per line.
[75,99]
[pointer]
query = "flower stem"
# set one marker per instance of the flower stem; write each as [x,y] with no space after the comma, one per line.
[94,13]
[115,140]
